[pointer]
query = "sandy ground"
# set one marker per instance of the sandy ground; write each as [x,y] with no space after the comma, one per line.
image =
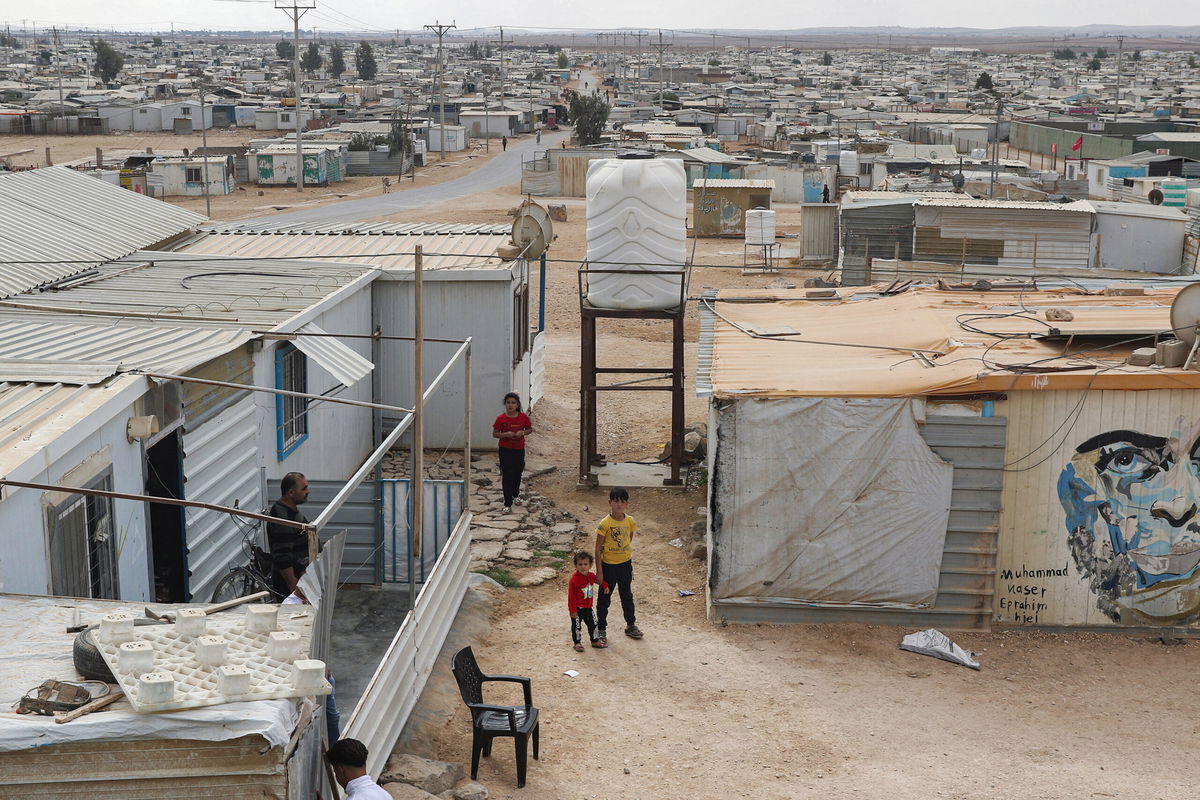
[699,710]
[248,199]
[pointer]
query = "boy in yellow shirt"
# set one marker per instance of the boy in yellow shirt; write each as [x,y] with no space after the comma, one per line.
[614,563]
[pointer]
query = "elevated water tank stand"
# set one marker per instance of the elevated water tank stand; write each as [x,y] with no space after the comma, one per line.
[758,259]
[634,379]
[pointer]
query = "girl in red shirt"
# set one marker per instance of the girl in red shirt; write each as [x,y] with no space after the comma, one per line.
[511,428]
[580,593]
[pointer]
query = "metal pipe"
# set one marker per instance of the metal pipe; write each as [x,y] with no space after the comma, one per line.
[467,430]
[387,444]
[162,376]
[418,446]
[168,501]
[293,334]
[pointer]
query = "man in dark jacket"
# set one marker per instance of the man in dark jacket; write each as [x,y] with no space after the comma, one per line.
[289,546]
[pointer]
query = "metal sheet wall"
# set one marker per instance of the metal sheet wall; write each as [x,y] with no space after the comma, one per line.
[220,465]
[818,232]
[1040,582]
[443,507]
[882,231]
[359,517]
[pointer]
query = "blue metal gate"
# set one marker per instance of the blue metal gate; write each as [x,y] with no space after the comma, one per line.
[443,506]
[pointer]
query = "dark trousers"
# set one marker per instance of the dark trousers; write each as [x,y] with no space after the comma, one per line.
[512,464]
[583,617]
[620,580]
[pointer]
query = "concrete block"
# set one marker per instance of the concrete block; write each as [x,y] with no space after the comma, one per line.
[191,622]
[156,687]
[211,650]
[1123,290]
[1142,357]
[262,617]
[1171,353]
[233,681]
[308,673]
[135,657]
[283,645]
[116,628]
[426,774]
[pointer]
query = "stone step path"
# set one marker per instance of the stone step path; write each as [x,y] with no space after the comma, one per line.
[532,542]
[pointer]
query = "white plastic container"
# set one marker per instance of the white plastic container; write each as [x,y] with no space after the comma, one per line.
[848,163]
[636,221]
[760,226]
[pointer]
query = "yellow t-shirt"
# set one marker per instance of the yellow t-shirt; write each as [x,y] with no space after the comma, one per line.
[618,539]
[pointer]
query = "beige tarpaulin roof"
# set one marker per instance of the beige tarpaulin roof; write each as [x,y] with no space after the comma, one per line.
[913,343]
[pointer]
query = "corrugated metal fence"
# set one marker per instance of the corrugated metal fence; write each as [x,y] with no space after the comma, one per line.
[443,506]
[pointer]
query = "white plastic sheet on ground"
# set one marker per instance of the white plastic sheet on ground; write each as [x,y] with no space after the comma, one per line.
[829,501]
[934,643]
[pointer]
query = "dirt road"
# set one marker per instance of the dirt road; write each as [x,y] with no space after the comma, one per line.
[698,710]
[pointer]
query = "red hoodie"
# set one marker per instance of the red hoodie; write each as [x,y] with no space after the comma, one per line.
[580,591]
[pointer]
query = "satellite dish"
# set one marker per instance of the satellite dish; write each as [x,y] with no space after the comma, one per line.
[1155,197]
[1185,313]
[958,181]
[532,231]
[933,153]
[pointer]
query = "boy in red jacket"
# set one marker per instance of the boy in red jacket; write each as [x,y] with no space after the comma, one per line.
[580,593]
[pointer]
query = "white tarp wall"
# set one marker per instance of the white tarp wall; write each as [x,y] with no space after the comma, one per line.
[825,500]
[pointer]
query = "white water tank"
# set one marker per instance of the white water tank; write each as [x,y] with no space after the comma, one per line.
[636,221]
[760,226]
[848,162]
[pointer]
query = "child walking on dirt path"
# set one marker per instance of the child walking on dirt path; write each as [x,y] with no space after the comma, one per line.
[580,592]
[614,563]
[511,428]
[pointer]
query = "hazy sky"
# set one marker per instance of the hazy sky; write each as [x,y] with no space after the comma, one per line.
[682,14]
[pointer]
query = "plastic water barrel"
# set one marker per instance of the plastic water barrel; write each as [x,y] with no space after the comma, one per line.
[848,162]
[760,226]
[636,222]
[1174,192]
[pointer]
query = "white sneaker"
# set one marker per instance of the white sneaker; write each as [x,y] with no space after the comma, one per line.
[507,510]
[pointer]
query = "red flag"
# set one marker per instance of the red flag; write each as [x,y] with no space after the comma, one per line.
[1078,143]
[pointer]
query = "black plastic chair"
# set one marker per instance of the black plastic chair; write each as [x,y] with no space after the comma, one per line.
[489,721]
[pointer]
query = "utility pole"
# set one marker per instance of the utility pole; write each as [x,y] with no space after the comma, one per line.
[440,30]
[661,48]
[296,9]
[58,69]
[503,87]
[1117,103]
[996,147]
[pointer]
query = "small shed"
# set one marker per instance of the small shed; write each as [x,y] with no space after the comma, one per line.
[492,125]
[186,176]
[1138,237]
[456,138]
[719,206]
[275,165]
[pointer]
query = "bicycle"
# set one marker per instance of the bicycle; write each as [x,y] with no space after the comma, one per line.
[253,577]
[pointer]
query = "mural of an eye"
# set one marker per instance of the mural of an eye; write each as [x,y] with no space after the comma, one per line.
[1127,462]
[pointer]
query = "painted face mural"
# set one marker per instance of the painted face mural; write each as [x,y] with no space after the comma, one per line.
[1131,512]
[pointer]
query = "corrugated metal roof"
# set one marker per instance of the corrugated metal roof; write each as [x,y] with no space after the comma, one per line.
[362,246]
[339,360]
[732,183]
[165,287]
[380,228]
[76,352]
[1166,213]
[56,222]
[943,200]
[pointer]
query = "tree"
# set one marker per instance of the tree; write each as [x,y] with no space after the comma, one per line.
[364,56]
[856,81]
[473,51]
[311,60]
[1192,62]
[337,60]
[1101,53]
[826,59]
[398,140]
[1137,55]
[562,60]
[157,41]
[408,41]
[984,81]
[108,60]
[285,49]
[1064,53]
[45,58]
[588,113]
[1094,65]
[487,50]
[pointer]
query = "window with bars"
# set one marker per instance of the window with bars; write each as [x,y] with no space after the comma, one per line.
[83,550]
[291,413]
[520,323]
[193,174]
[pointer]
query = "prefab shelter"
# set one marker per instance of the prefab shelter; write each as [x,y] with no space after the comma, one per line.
[456,138]
[187,176]
[275,165]
[491,125]
[1133,236]
[719,206]
[882,472]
